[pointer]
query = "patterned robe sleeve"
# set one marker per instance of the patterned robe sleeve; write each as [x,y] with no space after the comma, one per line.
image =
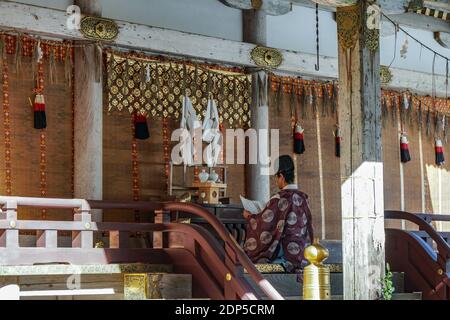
[264,232]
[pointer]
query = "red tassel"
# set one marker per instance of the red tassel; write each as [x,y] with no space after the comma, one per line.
[299,144]
[140,127]
[40,119]
[337,142]
[404,149]
[439,151]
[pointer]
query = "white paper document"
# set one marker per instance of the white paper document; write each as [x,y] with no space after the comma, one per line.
[252,206]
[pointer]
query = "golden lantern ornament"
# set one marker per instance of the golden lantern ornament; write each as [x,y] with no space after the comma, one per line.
[316,276]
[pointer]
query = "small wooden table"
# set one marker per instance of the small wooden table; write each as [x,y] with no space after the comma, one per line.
[209,191]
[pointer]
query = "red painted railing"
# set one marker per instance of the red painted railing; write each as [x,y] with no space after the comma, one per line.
[426,270]
[217,271]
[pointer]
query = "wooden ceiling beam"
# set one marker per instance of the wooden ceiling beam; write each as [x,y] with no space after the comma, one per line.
[24,18]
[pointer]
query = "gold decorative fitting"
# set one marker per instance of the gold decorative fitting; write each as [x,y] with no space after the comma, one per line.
[256,4]
[386,75]
[87,225]
[135,286]
[228,277]
[348,25]
[99,28]
[373,39]
[266,57]
[440,272]
[157,89]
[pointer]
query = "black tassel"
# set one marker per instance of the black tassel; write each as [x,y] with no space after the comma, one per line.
[299,144]
[40,119]
[140,127]
[439,151]
[337,142]
[404,149]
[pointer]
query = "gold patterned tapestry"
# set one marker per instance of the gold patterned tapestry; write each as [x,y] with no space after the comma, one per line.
[156,87]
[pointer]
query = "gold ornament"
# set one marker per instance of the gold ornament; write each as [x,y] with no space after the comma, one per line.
[99,28]
[256,4]
[373,39]
[316,276]
[163,94]
[348,24]
[386,75]
[316,253]
[266,57]
[135,286]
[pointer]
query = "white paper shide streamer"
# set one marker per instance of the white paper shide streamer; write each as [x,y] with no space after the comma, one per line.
[212,134]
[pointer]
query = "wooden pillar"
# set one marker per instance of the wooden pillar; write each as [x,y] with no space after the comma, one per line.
[88,117]
[257,184]
[361,154]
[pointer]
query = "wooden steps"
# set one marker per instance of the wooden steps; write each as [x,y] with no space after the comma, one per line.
[287,284]
[89,282]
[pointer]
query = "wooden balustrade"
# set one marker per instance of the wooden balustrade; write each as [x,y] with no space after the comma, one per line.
[190,248]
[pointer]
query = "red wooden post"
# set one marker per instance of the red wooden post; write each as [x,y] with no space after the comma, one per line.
[161,239]
[119,239]
[232,263]
[10,238]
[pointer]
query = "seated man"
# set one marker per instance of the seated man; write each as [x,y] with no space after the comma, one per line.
[281,232]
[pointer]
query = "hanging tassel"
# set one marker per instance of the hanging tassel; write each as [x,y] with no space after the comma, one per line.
[406,109]
[428,122]
[40,119]
[439,151]
[394,108]
[337,142]
[68,66]
[99,63]
[420,115]
[305,102]
[314,100]
[140,127]
[324,101]
[410,109]
[335,98]
[384,110]
[18,53]
[52,66]
[299,144]
[437,124]
[445,120]
[404,149]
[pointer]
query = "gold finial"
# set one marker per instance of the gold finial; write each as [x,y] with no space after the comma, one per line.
[316,254]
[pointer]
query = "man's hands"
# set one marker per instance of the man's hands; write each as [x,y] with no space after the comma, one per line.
[246,214]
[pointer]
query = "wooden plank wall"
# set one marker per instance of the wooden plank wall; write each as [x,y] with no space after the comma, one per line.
[25,140]
[117,158]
